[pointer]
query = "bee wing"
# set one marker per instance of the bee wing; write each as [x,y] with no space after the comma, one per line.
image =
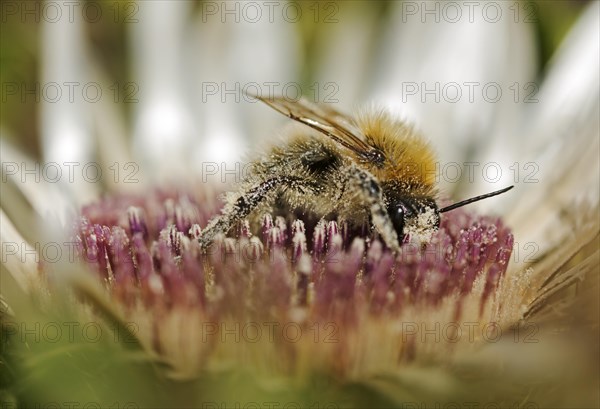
[329,122]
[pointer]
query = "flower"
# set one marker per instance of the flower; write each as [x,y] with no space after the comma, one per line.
[299,311]
[150,259]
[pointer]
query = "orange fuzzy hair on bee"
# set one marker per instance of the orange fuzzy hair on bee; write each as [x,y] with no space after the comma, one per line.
[409,158]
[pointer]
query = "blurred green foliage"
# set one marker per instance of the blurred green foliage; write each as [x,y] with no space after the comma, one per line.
[19,63]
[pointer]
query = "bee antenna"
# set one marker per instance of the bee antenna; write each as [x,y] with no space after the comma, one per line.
[474,199]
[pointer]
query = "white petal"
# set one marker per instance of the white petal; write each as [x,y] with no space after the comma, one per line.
[558,150]
[570,92]
[426,65]
[34,181]
[111,136]
[344,46]
[163,125]
[565,140]
[65,124]
[549,210]
[18,256]
[257,51]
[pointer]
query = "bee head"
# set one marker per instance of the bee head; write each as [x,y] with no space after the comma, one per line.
[413,215]
[419,216]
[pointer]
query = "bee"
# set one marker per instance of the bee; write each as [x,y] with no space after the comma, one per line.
[372,169]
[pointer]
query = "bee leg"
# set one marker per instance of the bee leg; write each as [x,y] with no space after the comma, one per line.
[243,206]
[371,193]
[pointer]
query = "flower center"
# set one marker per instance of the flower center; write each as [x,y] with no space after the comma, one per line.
[146,251]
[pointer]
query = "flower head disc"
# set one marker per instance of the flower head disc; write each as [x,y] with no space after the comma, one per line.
[295,287]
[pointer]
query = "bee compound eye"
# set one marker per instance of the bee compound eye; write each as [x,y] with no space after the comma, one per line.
[397,213]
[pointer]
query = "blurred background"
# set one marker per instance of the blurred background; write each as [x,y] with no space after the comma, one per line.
[161,84]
